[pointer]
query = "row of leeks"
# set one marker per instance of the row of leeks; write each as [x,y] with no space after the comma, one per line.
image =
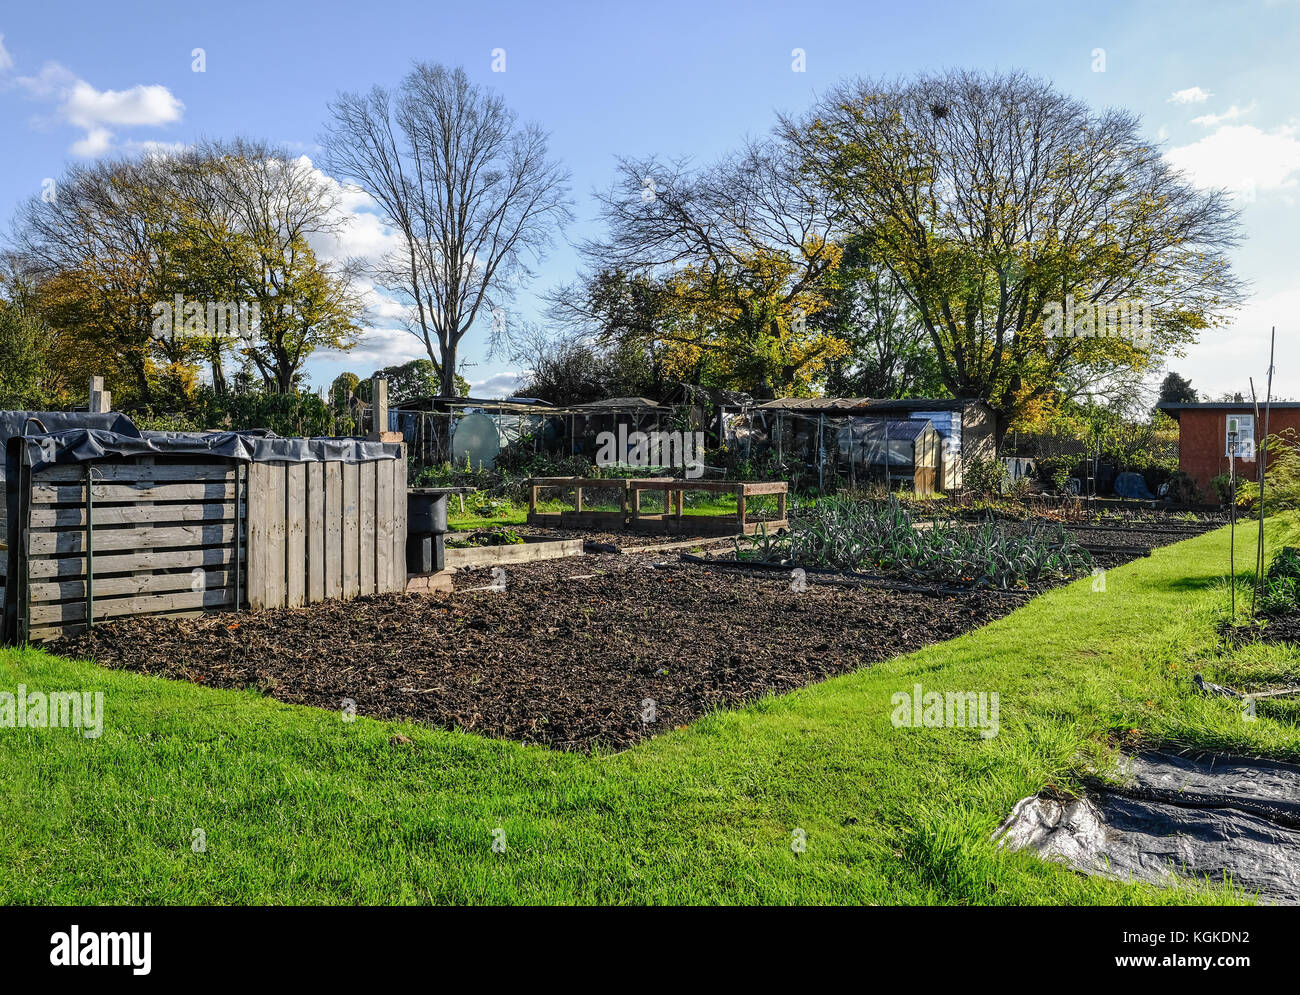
[851,535]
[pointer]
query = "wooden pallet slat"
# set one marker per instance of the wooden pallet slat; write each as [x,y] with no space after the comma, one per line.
[381,544]
[72,494]
[368,488]
[334,531]
[275,535]
[295,539]
[315,532]
[51,517]
[52,543]
[72,611]
[135,560]
[64,590]
[397,568]
[142,472]
[351,531]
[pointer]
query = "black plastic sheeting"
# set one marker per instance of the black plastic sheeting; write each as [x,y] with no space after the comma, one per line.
[18,423]
[79,445]
[1172,817]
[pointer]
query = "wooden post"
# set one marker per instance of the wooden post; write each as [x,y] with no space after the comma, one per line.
[378,408]
[101,400]
[740,505]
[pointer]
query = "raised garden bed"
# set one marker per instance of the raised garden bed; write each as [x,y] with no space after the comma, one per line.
[478,549]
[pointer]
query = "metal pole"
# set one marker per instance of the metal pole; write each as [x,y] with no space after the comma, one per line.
[1262,455]
[1232,514]
[821,452]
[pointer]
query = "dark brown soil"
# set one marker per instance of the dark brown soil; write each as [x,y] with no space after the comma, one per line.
[573,654]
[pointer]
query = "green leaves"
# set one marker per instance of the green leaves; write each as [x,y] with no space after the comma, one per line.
[851,535]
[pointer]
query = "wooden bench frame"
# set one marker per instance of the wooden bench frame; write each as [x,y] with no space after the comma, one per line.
[673,520]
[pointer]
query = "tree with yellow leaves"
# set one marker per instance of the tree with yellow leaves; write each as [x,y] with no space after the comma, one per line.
[728,263]
[999,205]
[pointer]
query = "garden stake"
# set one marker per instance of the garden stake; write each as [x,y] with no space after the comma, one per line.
[1232,511]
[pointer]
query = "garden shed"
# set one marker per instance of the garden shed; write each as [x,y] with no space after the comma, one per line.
[826,435]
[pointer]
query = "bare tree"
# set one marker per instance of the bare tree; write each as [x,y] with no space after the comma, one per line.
[471,196]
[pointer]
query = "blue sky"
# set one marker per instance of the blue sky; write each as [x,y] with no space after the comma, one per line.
[1216,83]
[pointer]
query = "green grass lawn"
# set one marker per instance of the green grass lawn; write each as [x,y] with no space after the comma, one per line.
[298,806]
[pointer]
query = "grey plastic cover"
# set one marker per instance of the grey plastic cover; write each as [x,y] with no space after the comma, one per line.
[1171,817]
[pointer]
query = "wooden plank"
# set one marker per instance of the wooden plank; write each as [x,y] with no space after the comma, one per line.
[255,510]
[762,487]
[198,579]
[50,543]
[295,538]
[186,473]
[71,611]
[528,552]
[367,504]
[275,535]
[145,559]
[68,494]
[397,568]
[351,530]
[380,551]
[315,532]
[45,633]
[130,514]
[333,531]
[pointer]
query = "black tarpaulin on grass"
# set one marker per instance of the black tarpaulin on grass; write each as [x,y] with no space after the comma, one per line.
[1173,817]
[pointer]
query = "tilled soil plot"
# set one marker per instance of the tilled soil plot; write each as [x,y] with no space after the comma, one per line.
[582,653]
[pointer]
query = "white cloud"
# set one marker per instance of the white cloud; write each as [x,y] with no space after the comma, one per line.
[498,385]
[96,143]
[141,105]
[1242,158]
[1224,359]
[6,60]
[378,347]
[1192,95]
[83,106]
[1231,114]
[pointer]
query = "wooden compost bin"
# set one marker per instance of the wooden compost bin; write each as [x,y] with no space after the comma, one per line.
[187,535]
[165,538]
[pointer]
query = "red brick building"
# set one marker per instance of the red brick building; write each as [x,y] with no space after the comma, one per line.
[1203,437]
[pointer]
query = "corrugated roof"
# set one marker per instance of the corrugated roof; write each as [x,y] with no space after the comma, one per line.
[872,404]
[620,402]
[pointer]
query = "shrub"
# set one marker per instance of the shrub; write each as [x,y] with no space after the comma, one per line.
[1182,488]
[985,474]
